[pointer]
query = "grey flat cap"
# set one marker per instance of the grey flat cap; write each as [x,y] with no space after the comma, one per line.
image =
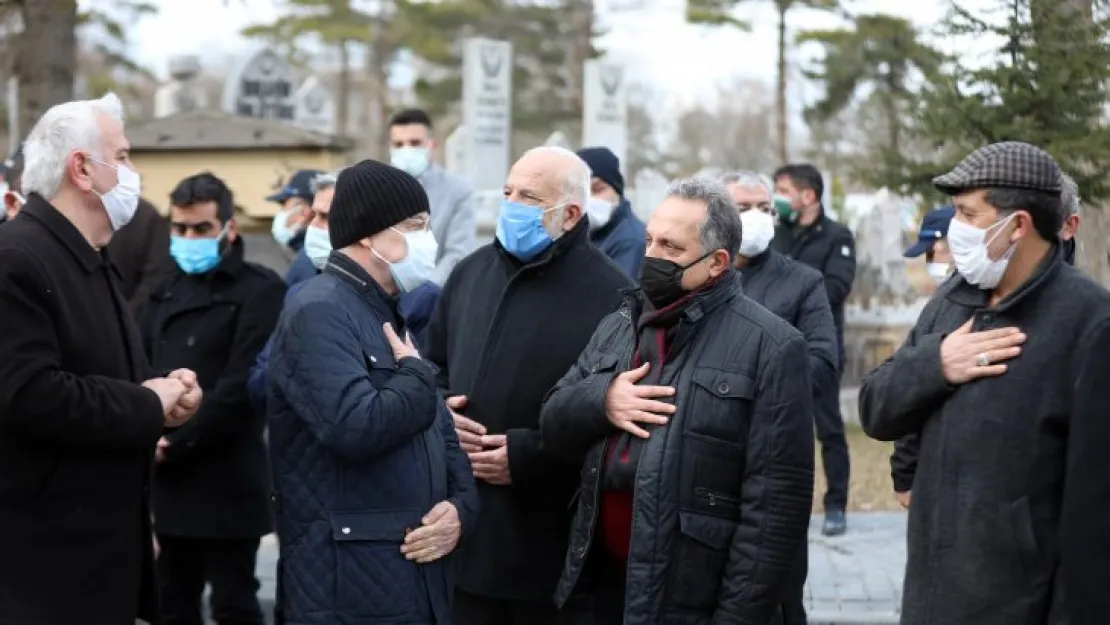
[1009,164]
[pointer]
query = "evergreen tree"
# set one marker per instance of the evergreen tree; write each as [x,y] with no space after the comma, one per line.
[1045,86]
[879,57]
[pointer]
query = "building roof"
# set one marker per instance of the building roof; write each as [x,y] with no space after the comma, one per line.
[216,130]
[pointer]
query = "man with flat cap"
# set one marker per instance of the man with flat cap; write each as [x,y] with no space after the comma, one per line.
[987,377]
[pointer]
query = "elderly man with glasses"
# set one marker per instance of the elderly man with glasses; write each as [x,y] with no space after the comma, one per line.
[416,306]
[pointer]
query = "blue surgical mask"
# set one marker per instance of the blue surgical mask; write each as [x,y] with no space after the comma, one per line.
[417,265]
[317,246]
[195,256]
[409,159]
[520,230]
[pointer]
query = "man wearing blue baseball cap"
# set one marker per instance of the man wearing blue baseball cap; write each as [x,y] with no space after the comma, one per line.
[295,198]
[931,242]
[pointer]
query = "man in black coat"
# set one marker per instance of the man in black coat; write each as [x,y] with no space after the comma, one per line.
[796,294]
[141,253]
[807,235]
[987,378]
[692,405]
[80,409]
[512,318]
[213,314]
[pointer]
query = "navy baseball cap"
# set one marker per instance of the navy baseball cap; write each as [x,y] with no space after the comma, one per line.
[933,226]
[300,185]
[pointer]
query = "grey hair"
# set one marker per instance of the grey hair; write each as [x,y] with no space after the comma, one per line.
[721,229]
[61,130]
[750,180]
[1069,195]
[575,186]
[323,182]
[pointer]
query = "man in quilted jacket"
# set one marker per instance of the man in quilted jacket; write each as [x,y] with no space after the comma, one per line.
[372,492]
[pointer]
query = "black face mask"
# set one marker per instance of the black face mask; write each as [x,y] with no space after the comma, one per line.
[661,280]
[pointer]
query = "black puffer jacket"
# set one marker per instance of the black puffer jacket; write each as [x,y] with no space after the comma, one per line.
[722,494]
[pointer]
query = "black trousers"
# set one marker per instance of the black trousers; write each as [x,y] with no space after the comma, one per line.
[187,565]
[834,446]
[475,610]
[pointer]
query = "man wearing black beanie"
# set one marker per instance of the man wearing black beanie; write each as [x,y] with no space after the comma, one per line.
[614,228]
[368,473]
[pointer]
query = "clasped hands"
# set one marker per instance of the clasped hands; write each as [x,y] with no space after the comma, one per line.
[488,453]
[180,395]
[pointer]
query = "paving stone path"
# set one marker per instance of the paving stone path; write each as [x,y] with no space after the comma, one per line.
[855,579]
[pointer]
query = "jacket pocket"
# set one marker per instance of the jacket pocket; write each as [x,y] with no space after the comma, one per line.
[372,577]
[720,404]
[699,561]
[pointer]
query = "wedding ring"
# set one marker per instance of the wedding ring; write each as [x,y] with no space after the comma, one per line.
[983,360]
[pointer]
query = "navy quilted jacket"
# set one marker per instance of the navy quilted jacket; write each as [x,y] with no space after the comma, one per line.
[361,447]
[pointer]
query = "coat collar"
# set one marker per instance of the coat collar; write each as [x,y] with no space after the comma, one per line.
[758,262]
[622,211]
[725,289]
[972,296]
[65,232]
[352,274]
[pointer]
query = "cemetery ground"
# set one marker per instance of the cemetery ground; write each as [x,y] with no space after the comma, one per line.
[870,488]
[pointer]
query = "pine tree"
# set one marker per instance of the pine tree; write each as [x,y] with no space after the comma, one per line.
[1046,86]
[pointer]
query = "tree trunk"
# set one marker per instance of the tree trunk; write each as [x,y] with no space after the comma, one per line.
[46,57]
[343,97]
[782,128]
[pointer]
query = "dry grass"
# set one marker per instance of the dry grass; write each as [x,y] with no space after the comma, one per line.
[870,488]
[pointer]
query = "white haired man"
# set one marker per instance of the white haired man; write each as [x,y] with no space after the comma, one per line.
[80,412]
[529,300]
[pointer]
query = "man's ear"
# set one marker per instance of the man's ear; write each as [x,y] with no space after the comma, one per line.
[574,215]
[720,263]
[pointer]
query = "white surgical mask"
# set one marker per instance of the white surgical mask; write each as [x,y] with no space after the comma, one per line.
[969,246]
[282,233]
[317,245]
[122,200]
[417,265]
[939,272]
[409,159]
[758,228]
[600,211]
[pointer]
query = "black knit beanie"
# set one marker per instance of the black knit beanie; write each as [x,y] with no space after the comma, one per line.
[605,165]
[370,197]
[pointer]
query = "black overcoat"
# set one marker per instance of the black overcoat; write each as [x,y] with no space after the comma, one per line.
[77,433]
